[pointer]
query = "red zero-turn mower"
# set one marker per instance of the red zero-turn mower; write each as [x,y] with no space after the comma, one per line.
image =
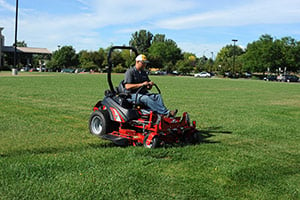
[125,123]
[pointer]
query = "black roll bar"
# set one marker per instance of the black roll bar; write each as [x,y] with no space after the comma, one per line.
[110,64]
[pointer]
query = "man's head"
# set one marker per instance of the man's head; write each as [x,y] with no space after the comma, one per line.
[141,61]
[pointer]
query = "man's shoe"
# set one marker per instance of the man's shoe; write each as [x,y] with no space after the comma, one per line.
[172,113]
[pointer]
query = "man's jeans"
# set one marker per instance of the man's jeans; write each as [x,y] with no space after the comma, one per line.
[153,101]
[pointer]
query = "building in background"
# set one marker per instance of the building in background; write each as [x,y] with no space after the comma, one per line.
[25,55]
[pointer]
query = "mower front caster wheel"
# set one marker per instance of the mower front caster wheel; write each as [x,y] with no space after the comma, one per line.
[155,142]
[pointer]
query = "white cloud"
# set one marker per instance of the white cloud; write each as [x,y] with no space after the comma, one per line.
[131,11]
[201,49]
[38,28]
[257,12]
[7,6]
[87,27]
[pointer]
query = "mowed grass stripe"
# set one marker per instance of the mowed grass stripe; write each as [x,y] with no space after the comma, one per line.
[250,147]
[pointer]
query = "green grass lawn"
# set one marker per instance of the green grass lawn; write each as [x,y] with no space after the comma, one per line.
[250,146]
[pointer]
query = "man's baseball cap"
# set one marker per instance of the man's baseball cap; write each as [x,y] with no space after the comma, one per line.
[142,58]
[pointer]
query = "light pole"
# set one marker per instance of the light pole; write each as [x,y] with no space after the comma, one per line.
[212,61]
[234,41]
[204,52]
[14,71]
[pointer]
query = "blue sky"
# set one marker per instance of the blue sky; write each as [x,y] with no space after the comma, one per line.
[197,26]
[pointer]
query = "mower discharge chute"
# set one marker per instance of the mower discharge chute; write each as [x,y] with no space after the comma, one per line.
[126,123]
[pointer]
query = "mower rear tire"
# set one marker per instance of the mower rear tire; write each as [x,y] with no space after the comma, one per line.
[99,123]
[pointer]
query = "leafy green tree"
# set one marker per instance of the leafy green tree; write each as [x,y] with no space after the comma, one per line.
[104,53]
[141,40]
[21,44]
[53,64]
[209,65]
[65,57]
[98,57]
[119,69]
[296,53]
[187,64]
[91,60]
[184,66]
[165,54]
[263,54]
[201,64]
[128,58]
[83,57]
[89,65]
[290,53]
[85,60]
[103,57]
[38,59]
[159,38]
[225,58]
[117,58]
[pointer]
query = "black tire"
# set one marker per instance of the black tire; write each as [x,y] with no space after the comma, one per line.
[196,137]
[193,138]
[99,123]
[155,142]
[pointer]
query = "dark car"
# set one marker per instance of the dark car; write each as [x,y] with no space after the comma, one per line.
[247,75]
[290,78]
[67,70]
[270,78]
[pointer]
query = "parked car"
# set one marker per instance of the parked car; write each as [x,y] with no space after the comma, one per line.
[202,75]
[67,70]
[270,78]
[33,70]
[80,71]
[158,72]
[247,74]
[227,74]
[231,75]
[288,78]
[175,72]
[43,69]
[212,74]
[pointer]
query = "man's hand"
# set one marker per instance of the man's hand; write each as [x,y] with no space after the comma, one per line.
[146,83]
[149,84]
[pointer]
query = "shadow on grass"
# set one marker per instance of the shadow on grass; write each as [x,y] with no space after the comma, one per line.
[38,151]
[204,137]
[54,150]
[207,133]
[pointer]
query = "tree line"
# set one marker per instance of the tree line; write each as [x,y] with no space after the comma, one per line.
[265,54]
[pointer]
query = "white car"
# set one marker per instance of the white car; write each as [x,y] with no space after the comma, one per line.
[202,75]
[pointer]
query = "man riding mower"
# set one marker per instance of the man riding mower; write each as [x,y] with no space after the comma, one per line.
[129,115]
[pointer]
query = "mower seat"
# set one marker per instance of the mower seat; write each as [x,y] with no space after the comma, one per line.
[124,95]
[121,91]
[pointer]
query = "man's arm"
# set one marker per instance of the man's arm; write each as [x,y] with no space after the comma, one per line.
[132,86]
